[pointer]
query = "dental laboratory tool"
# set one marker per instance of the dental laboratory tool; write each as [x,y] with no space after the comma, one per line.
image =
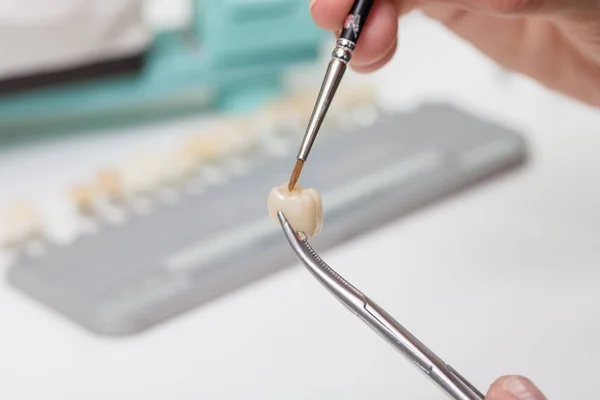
[346,43]
[450,381]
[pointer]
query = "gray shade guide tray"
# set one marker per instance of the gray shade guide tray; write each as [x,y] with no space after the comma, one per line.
[129,277]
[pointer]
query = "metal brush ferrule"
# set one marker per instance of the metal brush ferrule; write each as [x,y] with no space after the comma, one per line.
[335,71]
[343,50]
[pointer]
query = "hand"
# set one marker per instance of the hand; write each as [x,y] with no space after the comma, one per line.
[514,388]
[556,42]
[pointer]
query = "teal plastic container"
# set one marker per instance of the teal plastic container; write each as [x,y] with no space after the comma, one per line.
[232,62]
[250,31]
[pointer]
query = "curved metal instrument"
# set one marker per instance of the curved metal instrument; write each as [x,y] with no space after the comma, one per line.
[443,375]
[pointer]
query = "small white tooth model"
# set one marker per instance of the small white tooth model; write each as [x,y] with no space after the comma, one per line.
[181,165]
[20,223]
[303,208]
[144,174]
[240,143]
[204,149]
[291,113]
[109,185]
[236,136]
[82,198]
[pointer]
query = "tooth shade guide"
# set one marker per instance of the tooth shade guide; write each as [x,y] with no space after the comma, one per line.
[143,175]
[140,252]
[113,189]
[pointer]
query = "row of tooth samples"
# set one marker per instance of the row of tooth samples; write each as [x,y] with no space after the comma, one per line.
[139,177]
[20,224]
[107,188]
[148,173]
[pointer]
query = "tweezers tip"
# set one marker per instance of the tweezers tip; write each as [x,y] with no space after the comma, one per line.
[281,217]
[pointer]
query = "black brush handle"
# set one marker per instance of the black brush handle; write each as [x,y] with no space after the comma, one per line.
[355,21]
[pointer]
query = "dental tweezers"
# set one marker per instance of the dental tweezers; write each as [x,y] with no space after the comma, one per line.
[448,379]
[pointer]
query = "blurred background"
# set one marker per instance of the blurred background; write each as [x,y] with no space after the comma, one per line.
[138,142]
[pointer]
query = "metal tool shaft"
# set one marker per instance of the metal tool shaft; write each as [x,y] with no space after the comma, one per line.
[450,381]
[333,76]
[353,25]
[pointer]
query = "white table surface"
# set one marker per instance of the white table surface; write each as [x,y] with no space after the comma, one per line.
[502,279]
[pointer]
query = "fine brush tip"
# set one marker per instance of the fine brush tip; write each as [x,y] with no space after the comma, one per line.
[295,174]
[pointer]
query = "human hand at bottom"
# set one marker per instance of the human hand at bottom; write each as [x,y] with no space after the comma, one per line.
[514,387]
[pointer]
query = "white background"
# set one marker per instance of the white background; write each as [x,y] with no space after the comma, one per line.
[502,279]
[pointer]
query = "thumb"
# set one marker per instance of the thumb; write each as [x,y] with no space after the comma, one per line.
[514,388]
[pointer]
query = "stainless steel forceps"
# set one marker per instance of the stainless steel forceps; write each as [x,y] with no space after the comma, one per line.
[442,374]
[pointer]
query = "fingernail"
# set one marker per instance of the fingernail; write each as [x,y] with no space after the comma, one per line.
[522,388]
[312,3]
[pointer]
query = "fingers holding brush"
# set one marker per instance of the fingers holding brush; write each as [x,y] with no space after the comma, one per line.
[330,14]
[378,63]
[377,43]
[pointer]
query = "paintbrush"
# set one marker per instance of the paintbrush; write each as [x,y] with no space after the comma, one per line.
[340,58]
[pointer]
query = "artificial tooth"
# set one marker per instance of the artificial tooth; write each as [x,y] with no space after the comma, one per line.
[303,208]
[182,165]
[240,142]
[236,136]
[144,174]
[109,184]
[83,198]
[204,148]
[290,113]
[21,223]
